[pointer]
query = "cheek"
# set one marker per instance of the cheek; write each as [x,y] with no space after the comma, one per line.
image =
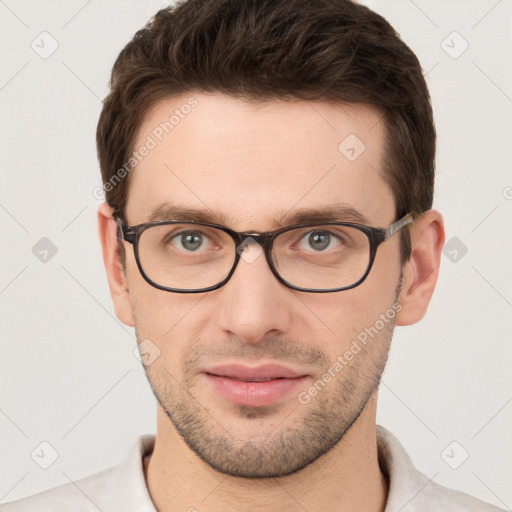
[343,315]
[376,296]
[168,320]
[154,310]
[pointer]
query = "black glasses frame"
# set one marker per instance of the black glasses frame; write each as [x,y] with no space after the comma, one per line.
[376,236]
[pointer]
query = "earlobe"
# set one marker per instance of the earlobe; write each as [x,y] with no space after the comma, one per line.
[107,230]
[421,271]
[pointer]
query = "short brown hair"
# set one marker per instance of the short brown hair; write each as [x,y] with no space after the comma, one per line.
[317,50]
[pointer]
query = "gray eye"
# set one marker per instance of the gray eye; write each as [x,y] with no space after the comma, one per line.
[192,240]
[319,240]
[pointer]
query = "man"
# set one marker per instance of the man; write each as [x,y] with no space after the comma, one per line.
[268,169]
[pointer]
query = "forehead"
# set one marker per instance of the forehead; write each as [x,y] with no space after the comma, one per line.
[251,162]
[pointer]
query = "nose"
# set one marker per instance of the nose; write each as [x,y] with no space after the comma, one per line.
[253,302]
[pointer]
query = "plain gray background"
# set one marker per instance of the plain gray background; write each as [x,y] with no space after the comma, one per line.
[68,374]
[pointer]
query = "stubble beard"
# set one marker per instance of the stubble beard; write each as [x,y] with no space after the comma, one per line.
[296,440]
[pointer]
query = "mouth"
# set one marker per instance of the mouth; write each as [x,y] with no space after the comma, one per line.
[253,386]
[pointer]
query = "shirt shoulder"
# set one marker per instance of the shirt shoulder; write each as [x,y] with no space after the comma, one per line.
[412,491]
[121,487]
[79,496]
[438,497]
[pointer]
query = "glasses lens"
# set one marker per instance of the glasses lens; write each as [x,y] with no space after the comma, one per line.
[186,256]
[322,257]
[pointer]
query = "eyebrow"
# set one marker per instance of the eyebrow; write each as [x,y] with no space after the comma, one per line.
[330,213]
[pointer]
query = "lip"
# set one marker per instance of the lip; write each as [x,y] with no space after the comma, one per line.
[247,373]
[253,386]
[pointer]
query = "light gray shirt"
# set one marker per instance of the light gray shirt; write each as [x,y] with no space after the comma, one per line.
[122,488]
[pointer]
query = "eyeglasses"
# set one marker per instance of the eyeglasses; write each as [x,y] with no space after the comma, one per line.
[194,257]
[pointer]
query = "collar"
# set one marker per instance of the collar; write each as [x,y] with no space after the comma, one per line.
[409,490]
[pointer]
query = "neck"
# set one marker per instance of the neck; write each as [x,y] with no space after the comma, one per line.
[348,477]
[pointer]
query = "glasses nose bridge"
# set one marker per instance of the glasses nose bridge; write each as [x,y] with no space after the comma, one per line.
[264,240]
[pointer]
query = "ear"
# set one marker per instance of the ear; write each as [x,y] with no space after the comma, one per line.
[421,271]
[117,281]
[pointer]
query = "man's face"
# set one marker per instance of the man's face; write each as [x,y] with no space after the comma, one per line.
[250,164]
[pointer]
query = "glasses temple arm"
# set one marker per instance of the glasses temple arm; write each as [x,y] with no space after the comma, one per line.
[396,226]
